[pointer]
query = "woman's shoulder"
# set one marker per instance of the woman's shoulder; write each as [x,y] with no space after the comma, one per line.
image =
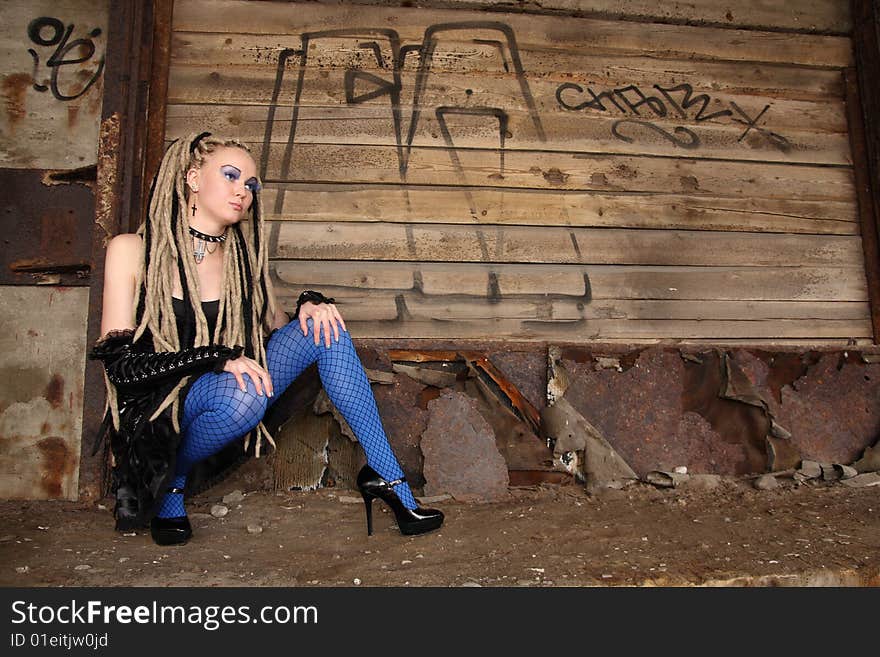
[125,242]
[124,252]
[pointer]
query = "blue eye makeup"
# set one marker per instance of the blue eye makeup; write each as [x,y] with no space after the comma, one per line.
[232,174]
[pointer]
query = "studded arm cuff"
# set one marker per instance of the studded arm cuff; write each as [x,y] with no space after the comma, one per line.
[130,371]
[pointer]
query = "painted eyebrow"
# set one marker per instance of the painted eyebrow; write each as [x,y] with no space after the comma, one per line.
[232,166]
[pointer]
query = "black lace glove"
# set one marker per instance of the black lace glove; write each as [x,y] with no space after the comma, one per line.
[314,297]
[131,370]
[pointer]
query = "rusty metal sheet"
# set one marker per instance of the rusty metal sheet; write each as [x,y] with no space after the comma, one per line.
[41,391]
[47,229]
[52,82]
[833,410]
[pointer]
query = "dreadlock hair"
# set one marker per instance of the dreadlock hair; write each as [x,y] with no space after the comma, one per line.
[246,303]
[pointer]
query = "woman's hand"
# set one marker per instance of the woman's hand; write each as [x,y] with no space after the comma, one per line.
[324,317]
[260,377]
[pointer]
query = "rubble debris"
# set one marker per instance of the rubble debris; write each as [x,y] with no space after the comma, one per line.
[558,379]
[766,482]
[429,377]
[234,497]
[870,460]
[323,405]
[572,432]
[461,458]
[863,480]
[219,510]
[665,479]
[380,377]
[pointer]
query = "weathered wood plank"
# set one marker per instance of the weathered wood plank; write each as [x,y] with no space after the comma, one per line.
[235,16]
[804,15]
[522,244]
[369,305]
[789,131]
[326,117]
[601,330]
[259,53]
[395,203]
[547,170]
[592,282]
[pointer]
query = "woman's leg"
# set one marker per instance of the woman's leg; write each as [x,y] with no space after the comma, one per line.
[215,412]
[289,352]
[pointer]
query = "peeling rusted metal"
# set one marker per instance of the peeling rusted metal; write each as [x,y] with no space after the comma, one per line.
[84,175]
[47,231]
[106,192]
[481,363]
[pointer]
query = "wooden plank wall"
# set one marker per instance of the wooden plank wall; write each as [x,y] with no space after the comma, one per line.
[457,173]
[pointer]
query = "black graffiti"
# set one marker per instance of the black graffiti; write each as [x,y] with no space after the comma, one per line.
[58,37]
[693,141]
[373,86]
[361,86]
[781,142]
[680,99]
[689,101]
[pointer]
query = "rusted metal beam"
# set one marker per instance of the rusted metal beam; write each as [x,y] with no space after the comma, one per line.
[863,110]
[117,197]
[160,63]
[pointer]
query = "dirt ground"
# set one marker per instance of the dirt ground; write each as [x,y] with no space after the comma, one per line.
[809,534]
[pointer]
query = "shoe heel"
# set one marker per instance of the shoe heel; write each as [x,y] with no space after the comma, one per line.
[368,507]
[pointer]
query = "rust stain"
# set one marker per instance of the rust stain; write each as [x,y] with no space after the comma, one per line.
[72,113]
[15,86]
[45,428]
[56,465]
[55,391]
[108,152]
[599,180]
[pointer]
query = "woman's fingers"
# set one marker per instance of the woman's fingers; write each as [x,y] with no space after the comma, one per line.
[259,377]
[339,317]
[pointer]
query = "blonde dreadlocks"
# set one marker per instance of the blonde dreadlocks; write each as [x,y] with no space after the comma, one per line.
[246,302]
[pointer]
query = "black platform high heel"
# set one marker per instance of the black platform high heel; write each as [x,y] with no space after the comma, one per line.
[409,521]
[171,531]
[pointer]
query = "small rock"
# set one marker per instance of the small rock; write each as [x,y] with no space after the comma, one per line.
[254,529]
[219,510]
[82,566]
[357,581]
[123,559]
[704,481]
[766,482]
[22,569]
[102,507]
[472,585]
[234,497]
[810,469]
[347,499]
[680,469]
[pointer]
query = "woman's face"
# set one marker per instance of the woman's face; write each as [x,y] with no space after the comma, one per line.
[225,183]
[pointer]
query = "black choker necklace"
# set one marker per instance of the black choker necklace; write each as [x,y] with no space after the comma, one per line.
[200,241]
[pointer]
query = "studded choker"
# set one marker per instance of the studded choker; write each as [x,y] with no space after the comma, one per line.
[201,240]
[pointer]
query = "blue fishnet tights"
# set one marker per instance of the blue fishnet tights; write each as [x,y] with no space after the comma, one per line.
[216,411]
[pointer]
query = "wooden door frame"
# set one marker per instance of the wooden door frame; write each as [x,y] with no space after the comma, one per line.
[130,145]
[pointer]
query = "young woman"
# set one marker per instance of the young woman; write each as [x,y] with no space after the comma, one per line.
[195,346]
